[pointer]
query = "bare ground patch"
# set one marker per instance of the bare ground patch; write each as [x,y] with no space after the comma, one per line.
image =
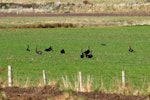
[54,93]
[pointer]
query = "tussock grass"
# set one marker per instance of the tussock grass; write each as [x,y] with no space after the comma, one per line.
[90,86]
[74,21]
[68,86]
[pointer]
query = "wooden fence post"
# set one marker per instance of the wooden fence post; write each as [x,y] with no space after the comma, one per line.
[80,82]
[44,77]
[10,81]
[123,79]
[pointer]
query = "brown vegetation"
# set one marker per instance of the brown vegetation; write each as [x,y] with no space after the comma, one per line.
[54,93]
[84,6]
[1,70]
[46,25]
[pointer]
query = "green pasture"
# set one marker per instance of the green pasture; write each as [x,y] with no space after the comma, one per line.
[106,65]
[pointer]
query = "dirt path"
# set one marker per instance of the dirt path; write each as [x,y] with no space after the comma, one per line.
[73,14]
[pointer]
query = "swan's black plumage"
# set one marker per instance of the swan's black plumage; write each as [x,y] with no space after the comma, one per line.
[38,51]
[62,51]
[27,48]
[49,49]
[130,49]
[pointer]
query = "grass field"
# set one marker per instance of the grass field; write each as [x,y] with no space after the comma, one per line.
[107,64]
